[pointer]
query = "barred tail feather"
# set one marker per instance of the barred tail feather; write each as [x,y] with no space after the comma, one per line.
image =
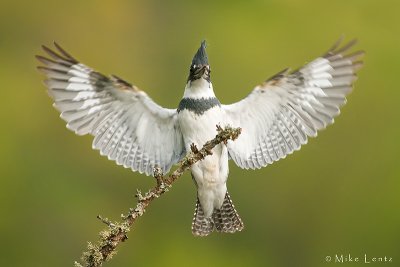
[225,219]
[201,226]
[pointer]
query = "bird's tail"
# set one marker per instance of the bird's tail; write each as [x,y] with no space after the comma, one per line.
[225,219]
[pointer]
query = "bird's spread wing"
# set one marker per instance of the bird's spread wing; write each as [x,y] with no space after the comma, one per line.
[127,125]
[279,115]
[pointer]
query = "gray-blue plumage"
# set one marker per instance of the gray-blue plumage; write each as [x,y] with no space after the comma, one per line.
[198,106]
[200,58]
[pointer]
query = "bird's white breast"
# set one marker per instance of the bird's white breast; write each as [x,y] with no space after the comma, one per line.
[199,128]
[211,173]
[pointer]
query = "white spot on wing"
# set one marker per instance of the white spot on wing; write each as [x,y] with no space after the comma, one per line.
[79,86]
[78,73]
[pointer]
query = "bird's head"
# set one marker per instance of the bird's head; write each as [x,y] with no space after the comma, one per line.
[200,69]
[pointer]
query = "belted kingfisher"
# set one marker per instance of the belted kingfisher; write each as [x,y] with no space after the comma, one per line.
[276,118]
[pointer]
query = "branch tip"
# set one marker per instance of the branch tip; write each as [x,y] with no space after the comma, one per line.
[194,148]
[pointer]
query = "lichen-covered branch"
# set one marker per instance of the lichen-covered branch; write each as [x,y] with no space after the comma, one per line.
[116,232]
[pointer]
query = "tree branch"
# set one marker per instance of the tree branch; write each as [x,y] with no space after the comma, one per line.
[116,232]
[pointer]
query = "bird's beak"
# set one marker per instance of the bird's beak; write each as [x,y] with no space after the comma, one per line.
[200,65]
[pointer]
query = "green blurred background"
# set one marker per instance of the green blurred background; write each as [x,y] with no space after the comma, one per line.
[340,194]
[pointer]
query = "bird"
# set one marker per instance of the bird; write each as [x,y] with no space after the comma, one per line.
[277,118]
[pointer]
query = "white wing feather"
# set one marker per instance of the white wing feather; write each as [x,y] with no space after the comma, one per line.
[127,125]
[279,115]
